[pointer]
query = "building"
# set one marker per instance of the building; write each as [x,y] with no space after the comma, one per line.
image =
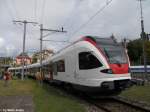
[6,60]
[21,57]
[45,54]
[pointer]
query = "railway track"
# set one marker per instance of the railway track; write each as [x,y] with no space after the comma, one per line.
[134,104]
[117,104]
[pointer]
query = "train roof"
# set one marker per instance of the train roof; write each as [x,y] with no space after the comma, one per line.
[96,39]
[102,40]
[33,65]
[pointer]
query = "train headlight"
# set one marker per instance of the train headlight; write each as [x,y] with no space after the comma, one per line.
[109,71]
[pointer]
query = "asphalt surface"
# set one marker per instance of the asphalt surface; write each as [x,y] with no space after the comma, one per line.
[16,104]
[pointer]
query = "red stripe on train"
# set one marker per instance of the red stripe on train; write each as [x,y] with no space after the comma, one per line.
[119,68]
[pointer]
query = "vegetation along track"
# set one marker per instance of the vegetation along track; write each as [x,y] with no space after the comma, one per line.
[117,104]
[108,104]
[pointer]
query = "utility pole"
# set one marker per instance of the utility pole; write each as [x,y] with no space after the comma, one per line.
[24,38]
[41,46]
[41,41]
[143,36]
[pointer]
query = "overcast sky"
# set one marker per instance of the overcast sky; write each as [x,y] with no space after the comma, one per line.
[120,17]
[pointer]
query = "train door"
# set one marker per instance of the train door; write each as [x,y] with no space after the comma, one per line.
[50,72]
[70,66]
[54,65]
[87,66]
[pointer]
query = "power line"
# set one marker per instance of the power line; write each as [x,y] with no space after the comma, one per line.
[49,34]
[11,12]
[31,32]
[72,13]
[33,35]
[57,41]
[100,10]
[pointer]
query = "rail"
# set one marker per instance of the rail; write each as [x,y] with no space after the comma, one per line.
[117,104]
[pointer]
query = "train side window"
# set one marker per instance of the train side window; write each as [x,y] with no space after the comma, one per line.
[88,61]
[61,66]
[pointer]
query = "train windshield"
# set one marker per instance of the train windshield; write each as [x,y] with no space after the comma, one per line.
[115,52]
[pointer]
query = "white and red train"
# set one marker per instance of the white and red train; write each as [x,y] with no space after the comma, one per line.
[90,64]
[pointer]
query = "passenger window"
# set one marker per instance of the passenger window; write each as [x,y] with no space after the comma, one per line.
[88,61]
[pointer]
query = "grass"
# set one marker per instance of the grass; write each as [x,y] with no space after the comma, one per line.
[46,98]
[139,93]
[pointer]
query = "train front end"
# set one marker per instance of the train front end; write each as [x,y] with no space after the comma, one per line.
[114,74]
[118,62]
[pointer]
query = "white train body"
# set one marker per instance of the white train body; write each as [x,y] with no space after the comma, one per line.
[84,64]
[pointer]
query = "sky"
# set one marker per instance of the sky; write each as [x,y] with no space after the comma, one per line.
[120,18]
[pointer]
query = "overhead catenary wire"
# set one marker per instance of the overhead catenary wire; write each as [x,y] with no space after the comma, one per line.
[30,33]
[56,41]
[41,20]
[91,18]
[13,4]
[13,13]
[49,34]
[12,16]
[72,14]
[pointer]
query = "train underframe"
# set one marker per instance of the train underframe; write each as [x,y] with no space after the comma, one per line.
[107,88]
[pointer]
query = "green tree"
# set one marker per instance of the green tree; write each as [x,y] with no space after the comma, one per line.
[135,51]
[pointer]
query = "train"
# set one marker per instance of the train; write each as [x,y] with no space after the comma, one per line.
[91,64]
[139,69]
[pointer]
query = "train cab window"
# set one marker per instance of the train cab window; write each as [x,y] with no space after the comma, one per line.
[61,66]
[88,61]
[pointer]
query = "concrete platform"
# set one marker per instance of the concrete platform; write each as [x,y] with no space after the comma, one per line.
[16,104]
